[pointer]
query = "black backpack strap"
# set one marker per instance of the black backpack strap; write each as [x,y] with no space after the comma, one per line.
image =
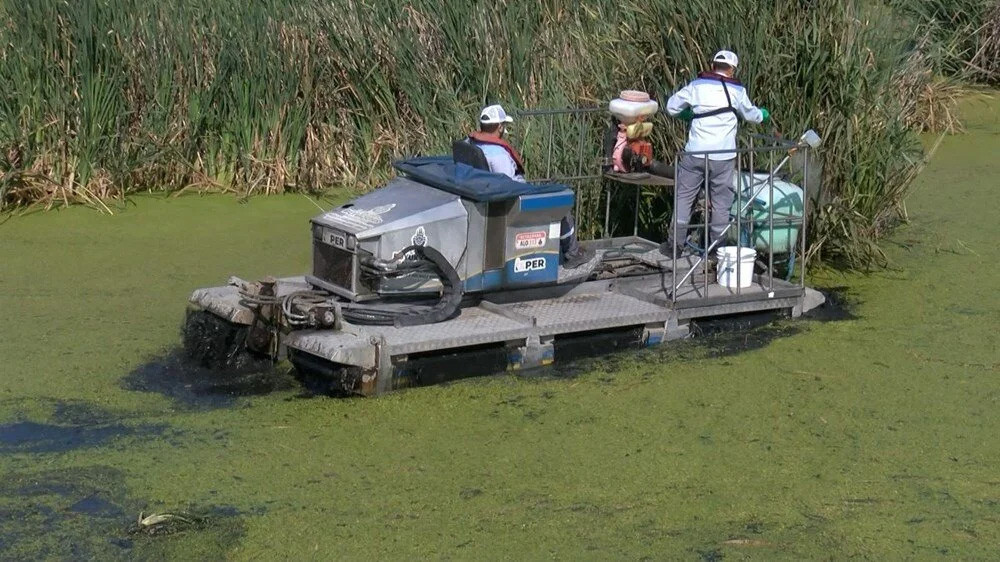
[728,109]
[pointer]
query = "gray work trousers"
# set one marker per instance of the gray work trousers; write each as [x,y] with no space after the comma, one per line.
[568,246]
[690,181]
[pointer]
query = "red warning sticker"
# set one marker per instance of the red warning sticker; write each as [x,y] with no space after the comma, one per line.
[529,240]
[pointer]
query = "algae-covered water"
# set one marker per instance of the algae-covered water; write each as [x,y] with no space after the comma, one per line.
[876,436]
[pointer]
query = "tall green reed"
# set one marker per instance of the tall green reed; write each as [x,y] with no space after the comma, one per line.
[101,98]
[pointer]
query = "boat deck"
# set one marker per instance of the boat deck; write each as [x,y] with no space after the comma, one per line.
[524,327]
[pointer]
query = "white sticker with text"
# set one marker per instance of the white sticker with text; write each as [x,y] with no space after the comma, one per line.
[524,265]
[529,240]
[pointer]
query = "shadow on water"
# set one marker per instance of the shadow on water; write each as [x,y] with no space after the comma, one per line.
[212,369]
[195,386]
[86,513]
[34,437]
[839,305]
[74,425]
[710,338]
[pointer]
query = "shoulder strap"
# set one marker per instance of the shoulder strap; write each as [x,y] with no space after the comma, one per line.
[729,101]
[478,137]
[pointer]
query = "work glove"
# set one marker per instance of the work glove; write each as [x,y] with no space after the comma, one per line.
[766,114]
[687,114]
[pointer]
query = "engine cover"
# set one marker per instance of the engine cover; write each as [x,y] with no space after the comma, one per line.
[380,224]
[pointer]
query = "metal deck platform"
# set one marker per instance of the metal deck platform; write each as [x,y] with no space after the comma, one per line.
[512,330]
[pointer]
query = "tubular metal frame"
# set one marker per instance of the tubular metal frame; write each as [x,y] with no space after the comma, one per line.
[755,144]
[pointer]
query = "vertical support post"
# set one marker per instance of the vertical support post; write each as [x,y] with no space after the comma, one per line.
[749,204]
[770,228]
[805,213]
[537,351]
[607,213]
[672,237]
[739,220]
[635,218]
[579,168]
[548,163]
[383,362]
[708,221]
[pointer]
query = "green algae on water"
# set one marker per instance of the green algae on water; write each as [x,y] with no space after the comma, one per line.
[872,437]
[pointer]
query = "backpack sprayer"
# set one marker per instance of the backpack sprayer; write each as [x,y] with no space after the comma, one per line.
[627,146]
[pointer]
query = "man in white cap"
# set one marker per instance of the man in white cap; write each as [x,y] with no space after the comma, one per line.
[504,159]
[501,156]
[713,103]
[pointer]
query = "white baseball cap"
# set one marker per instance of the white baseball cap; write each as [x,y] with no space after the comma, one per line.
[494,114]
[727,57]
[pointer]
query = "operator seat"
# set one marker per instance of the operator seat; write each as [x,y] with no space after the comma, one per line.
[464,152]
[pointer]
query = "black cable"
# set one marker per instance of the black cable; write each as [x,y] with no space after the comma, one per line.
[391,314]
[451,290]
[295,306]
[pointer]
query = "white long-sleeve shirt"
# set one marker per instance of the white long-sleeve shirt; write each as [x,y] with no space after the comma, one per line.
[500,161]
[717,132]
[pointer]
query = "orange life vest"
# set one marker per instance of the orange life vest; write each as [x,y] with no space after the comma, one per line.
[484,138]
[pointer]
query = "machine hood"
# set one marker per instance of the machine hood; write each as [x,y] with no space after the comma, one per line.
[401,204]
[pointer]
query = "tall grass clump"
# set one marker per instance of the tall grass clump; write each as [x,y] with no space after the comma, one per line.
[101,98]
[986,61]
[964,35]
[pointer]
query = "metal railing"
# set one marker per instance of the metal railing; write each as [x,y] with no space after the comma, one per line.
[588,161]
[773,147]
[754,147]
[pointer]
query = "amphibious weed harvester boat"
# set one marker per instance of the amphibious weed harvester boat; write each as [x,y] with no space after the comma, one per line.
[450,271]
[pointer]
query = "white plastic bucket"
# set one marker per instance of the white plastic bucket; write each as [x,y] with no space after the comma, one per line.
[729,259]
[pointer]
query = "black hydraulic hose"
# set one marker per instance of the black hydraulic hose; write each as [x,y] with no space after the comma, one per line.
[451,291]
[295,306]
[431,260]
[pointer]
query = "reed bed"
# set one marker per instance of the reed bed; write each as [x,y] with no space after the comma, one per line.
[103,98]
[965,35]
[986,60]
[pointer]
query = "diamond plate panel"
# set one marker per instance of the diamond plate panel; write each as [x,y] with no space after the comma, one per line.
[656,258]
[346,348]
[579,313]
[354,346]
[474,326]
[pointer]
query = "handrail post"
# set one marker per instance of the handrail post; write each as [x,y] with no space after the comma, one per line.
[579,169]
[770,227]
[548,163]
[805,209]
[739,226]
[607,213]
[708,222]
[753,183]
[635,219]
[672,237]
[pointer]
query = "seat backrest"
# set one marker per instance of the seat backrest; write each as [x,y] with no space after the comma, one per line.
[608,144]
[465,152]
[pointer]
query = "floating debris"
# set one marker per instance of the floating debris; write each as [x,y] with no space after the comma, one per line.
[166,523]
[746,542]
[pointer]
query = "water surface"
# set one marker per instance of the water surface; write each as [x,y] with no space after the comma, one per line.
[874,436]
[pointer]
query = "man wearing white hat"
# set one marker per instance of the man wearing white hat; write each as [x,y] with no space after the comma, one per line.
[504,159]
[713,103]
[501,156]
